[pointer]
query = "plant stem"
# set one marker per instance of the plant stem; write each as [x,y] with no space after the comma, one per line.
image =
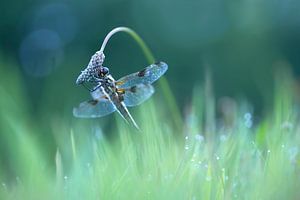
[150,58]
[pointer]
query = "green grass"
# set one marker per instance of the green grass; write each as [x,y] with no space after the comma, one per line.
[203,159]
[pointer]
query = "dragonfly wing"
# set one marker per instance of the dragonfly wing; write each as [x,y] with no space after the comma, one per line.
[145,76]
[94,108]
[137,94]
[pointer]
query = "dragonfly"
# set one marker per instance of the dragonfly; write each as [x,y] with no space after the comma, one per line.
[110,95]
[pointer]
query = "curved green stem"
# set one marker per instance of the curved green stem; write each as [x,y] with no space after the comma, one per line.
[150,58]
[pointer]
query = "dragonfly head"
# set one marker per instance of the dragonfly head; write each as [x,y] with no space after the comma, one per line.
[104,71]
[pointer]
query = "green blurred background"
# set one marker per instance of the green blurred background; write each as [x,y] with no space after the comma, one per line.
[47,43]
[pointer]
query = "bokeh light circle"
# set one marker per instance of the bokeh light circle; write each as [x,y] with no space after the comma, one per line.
[41,52]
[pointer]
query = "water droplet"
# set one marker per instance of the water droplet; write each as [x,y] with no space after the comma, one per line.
[65,177]
[248,120]
[186,137]
[293,152]
[98,132]
[199,138]
[247,116]
[223,169]
[234,185]
[217,157]
[269,151]
[287,126]
[226,178]
[223,138]
[186,147]
[169,176]
[196,165]
[282,146]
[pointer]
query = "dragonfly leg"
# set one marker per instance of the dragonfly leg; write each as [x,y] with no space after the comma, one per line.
[86,87]
[97,80]
[99,83]
[96,87]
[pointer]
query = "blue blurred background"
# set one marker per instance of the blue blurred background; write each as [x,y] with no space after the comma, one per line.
[242,43]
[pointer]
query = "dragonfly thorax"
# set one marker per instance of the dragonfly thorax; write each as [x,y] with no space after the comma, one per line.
[108,84]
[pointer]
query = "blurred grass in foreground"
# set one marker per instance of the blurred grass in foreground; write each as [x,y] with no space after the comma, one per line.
[208,160]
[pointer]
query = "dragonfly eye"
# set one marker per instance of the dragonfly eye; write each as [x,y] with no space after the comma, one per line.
[104,71]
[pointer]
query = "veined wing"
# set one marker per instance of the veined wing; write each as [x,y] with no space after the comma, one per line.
[137,94]
[97,107]
[145,76]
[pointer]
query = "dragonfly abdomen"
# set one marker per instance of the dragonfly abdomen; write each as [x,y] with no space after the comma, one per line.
[123,111]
